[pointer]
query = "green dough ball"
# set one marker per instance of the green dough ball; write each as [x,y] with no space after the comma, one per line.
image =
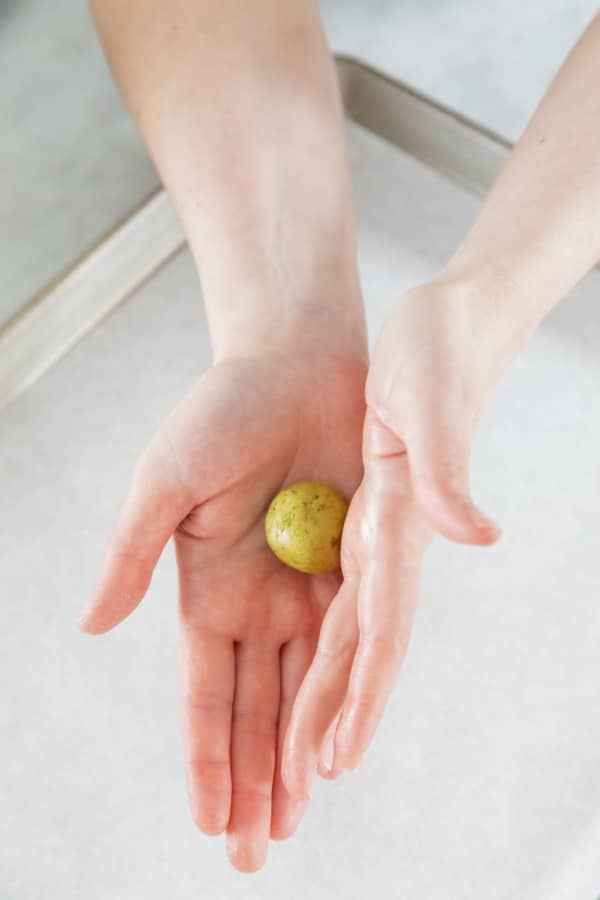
[304,526]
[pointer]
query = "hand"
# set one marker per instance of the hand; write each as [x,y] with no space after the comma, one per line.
[439,355]
[249,625]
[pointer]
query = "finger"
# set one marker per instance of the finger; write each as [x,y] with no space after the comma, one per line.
[438,445]
[396,536]
[295,658]
[325,767]
[386,608]
[207,686]
[154,507]
[322,692]
[253,747]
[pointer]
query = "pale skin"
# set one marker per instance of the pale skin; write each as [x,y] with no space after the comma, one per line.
[284,674]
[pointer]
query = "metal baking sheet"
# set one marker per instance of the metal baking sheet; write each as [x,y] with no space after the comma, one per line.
[444,139]
[64,311]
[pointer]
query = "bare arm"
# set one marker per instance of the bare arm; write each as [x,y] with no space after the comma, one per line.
[239,107]
[538,231]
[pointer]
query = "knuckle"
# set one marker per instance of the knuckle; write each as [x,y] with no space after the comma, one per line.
[366,703]
[260,792]
[449,468]
[330,652]
[202,700]
[123,547]
[254,723]
[390,645]
[210,771]
[454,469]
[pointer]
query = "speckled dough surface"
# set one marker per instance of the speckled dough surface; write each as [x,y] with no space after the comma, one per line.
[304,526]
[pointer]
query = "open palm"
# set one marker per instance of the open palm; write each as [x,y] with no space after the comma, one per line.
[249,625]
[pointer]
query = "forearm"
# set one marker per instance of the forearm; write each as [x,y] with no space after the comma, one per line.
[538,231]
[239,107]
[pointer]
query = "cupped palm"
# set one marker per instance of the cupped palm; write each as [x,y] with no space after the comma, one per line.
[249,625]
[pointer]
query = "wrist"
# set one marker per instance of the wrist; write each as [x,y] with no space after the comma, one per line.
[317,329]
[312,311]
[503,306]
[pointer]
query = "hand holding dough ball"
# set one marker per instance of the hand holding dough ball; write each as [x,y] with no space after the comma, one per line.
[304,526]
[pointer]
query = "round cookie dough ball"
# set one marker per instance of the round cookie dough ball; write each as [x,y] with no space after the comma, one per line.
[304,526]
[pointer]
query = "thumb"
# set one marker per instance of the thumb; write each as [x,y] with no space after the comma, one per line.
[438,454]
[154,507]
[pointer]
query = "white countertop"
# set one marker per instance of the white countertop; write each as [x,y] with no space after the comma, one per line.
[484,781]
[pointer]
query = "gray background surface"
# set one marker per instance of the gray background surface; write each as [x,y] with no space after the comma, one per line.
[484,780]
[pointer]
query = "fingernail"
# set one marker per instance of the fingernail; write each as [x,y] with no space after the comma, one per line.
[299,775]
[481,520]
[348,759]
[83,621]
[232,842]
[326,760]
[85,613]
[309,780]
